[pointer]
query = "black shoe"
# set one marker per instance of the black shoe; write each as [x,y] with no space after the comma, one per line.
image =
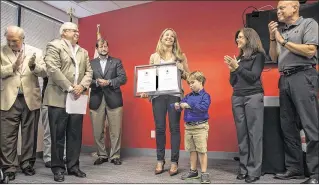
[310,181]
[241,176]
[289,175]
[77,173]
[29,171]
[100,161]
[192,174]
[10,175]
[250,179]
[47,164]
[116,161]
[59,176]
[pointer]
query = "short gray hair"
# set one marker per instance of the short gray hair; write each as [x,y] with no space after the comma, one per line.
[67,25]
[15,29]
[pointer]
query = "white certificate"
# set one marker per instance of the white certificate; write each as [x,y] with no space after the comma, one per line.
[167,78]
[76,106]
[146,80]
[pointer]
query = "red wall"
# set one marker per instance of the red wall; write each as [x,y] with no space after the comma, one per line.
[205,31]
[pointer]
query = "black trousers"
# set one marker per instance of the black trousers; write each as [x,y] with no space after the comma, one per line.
[18,114]
[161,106]
[299,109]
[70,125]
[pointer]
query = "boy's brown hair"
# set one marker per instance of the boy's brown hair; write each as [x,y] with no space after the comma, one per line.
[196,75]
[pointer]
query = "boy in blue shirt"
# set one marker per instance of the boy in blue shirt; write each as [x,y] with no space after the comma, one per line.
[196,105]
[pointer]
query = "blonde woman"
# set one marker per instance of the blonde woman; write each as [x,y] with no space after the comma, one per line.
[167,51]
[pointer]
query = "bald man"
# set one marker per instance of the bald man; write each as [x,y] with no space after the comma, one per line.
[21,65]
[294,46]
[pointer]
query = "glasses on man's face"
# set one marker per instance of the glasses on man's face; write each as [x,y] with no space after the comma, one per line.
[73,30]
[13,41]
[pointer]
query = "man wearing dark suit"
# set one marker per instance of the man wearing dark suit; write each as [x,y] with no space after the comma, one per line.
[106,102]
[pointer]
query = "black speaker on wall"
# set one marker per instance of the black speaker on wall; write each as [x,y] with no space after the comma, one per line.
[259,22]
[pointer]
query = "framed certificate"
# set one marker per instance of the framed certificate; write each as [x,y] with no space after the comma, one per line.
[159,79]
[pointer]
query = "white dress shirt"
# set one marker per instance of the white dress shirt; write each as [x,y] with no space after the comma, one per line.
[73,52]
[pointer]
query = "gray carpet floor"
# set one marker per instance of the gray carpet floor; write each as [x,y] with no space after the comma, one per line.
[141,170]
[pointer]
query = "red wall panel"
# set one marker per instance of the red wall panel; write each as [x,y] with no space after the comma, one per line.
[205,31]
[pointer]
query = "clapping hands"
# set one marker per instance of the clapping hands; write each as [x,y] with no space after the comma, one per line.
[231,62]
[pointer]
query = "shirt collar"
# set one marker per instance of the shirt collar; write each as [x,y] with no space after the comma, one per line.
[70,45]
[296,23]
[201,92]
[105,58]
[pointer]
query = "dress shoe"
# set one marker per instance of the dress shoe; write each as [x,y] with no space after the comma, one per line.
[310,181]
[116,161]
[29,171]
[77,173]
[100,161]
[47,164]
[10,175]
[250,179]
[59,176]
[161,170]
[241,176]
[173,172]
[289,175]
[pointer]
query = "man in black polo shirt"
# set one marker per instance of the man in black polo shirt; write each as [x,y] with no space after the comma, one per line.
[294,46]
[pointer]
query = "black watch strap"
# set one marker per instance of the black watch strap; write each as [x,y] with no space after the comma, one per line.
[284,43]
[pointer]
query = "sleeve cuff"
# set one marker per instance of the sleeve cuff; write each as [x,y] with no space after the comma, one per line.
[70,89]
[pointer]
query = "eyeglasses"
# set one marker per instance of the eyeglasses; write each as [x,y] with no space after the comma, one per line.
[73,30]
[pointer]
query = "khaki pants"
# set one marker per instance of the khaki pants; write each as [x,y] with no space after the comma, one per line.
[114,119]
[196,137]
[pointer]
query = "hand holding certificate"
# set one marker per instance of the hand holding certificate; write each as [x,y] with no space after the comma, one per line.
[157,79]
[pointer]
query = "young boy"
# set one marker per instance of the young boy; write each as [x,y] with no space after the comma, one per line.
[196,105]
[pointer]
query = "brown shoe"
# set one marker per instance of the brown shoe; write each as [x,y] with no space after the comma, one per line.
[173,171]
[161,170]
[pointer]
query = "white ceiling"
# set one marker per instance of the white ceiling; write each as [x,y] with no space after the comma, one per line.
[86,8]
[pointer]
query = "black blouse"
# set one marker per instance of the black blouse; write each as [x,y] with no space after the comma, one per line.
[246,78]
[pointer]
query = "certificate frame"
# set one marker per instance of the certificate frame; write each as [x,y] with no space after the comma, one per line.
[157,92]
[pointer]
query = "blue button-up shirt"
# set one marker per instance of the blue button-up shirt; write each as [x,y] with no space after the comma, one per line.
[199,103]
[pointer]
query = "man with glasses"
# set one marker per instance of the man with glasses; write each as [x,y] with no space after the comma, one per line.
[295,47]
[70,73]
[21,65]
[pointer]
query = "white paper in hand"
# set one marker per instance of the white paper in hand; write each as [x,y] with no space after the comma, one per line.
[76,106]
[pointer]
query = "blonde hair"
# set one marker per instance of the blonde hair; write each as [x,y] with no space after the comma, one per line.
[176,48]
[196,75]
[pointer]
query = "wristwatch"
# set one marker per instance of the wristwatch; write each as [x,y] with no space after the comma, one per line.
[284,43]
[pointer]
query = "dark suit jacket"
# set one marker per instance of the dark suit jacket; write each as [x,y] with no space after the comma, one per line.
[115,72]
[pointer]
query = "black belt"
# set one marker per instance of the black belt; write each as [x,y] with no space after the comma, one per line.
[193,123]
[289,72]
